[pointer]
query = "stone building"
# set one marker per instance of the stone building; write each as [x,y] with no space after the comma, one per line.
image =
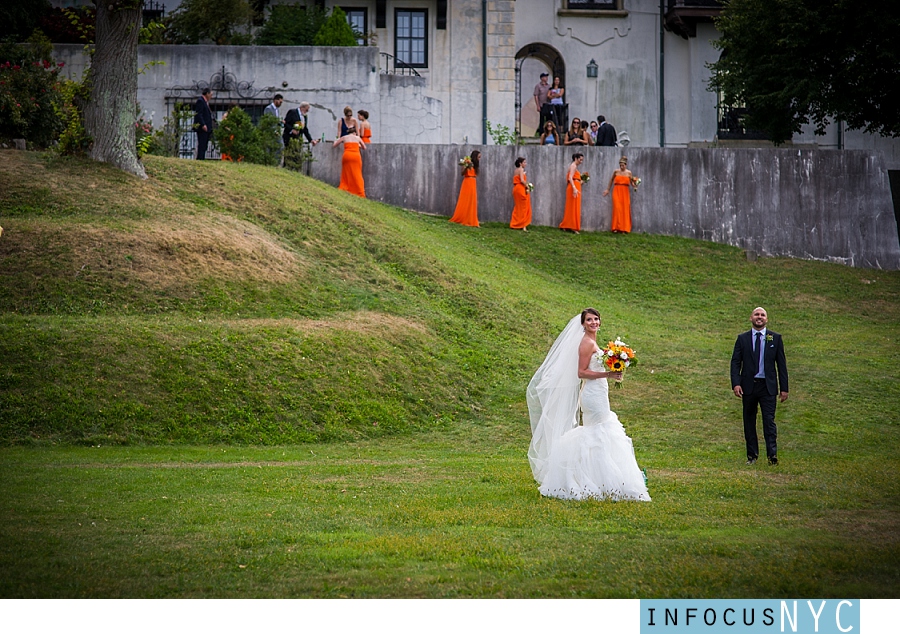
[433,71]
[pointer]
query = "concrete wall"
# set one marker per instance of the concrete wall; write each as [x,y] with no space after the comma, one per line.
[327,77]
[810,204]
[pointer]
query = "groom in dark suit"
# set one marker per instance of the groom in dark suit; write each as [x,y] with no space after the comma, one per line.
[203,122]
[758,368]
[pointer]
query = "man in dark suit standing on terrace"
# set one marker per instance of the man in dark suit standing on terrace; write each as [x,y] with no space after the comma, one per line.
[758,367]
[203,122]
[606,135]
[296,125]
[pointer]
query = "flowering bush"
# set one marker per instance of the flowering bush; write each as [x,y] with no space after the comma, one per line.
[143,135]
[29,89]
[240,140]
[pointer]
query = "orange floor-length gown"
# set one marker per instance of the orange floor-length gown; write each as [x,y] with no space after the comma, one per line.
[572,217]
[466,212]
[366,135]
[621,204]
[351,171]
[521,215]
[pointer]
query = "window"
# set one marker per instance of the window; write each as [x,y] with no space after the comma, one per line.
[593,5]
[411,37]
[357,19]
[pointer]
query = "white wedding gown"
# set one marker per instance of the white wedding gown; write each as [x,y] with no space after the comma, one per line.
[595,460]
[577,462]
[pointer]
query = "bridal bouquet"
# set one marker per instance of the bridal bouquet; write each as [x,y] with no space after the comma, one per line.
[529,187]
[466,162]
[585,177]
[635,182]
[617,356]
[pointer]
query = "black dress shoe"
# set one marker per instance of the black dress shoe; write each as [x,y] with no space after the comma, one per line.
[751,460]
[773,460]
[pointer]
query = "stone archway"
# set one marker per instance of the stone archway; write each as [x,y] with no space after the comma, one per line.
[531,60]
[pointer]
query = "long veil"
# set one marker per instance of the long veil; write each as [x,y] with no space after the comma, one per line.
[552,397]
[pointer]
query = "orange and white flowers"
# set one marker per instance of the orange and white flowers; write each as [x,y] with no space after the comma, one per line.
[617,356]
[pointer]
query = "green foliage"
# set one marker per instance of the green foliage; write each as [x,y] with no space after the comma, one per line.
[19,18]
[291,25]
[336,31]
[167,139]
[74,139]
[219,21]
[794,62]
[29,94]
[69,25]
[240,140]
[269,128]
[298,156]
[153,33]
[143,136]
[501,134]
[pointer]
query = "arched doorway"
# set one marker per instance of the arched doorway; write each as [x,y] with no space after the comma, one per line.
[531,61]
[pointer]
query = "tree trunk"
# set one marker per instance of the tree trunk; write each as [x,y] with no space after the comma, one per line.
[110,114]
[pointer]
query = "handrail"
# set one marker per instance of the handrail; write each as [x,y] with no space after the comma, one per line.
[394,66]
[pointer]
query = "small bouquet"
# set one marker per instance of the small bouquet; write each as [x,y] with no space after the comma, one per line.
[635,182]
[585,177]
[298,126]
[465,162]
[529,187]
[617,356]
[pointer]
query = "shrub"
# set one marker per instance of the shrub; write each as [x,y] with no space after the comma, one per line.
[221,21]
[291,25]
[297,156]
[239,140]
[29,92]
[336,31]
[167,139]
[70,113]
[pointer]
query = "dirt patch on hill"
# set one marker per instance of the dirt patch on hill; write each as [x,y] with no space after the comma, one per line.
[362,322]
[154,253]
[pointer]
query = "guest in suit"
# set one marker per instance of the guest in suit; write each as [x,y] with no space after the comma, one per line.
[272,110]
[296,125]
[755,379]
[606,135]
[203,122]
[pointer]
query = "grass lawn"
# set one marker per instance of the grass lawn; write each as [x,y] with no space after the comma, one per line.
[234,381]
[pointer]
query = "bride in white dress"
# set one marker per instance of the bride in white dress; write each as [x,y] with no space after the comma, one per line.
[571,461]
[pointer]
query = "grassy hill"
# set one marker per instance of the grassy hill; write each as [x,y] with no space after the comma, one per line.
[243,316]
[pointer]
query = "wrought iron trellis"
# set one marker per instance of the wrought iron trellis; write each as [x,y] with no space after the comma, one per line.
[227,91]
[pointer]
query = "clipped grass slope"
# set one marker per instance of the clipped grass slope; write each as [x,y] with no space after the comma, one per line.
[221,303]
[231,303]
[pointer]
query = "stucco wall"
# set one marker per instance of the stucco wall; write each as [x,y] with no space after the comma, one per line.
[327,77]
[811,204]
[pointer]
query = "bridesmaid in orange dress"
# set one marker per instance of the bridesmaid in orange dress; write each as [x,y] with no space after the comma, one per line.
[351,163]
[467,205]
[621,183]
[572,218]
[365,128]
[521,215]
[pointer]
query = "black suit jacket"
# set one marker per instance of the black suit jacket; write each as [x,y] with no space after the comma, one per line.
[202,116]
[606,135]
[744,363]
[293,116]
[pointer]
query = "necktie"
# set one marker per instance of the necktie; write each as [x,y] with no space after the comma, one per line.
[759,352]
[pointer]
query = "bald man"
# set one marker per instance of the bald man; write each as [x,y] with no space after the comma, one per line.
[759,377]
